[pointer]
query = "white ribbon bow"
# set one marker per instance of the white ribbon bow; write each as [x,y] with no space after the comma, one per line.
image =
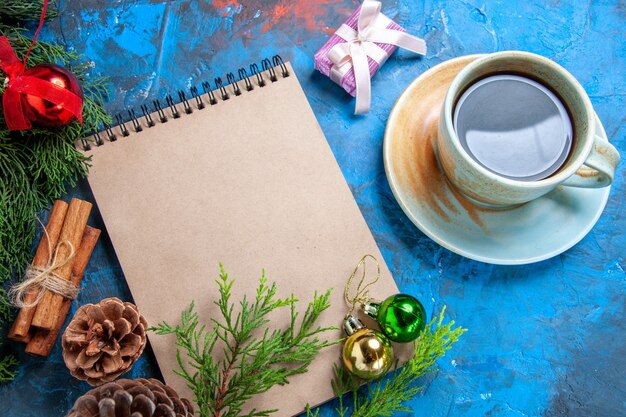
[372,27]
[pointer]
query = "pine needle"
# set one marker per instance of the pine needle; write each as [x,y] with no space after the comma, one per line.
[5,307]
[255,357]
[24,10]
[7,371]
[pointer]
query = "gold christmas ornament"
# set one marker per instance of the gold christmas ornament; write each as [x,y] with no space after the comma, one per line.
[104,340]
[366,353]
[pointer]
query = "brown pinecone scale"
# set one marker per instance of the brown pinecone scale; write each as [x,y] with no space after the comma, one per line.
[132,398]
[104,340]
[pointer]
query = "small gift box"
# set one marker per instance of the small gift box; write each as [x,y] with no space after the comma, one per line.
[360,46]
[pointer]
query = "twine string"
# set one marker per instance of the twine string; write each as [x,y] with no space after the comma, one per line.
[361,295]
[44,278]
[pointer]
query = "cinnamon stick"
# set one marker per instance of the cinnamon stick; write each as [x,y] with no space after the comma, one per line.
[21,325]
[43,341]
[48,308]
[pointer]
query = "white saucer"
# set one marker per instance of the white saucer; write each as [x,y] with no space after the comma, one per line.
[529,233]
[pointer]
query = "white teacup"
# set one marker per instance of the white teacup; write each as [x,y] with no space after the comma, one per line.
[586,160]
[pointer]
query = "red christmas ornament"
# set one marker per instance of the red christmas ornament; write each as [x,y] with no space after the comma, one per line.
[46,113]
[48,95]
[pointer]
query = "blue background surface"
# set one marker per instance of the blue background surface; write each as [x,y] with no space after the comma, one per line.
[544,339]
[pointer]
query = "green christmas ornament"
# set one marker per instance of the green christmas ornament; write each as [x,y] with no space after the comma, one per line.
[401,317]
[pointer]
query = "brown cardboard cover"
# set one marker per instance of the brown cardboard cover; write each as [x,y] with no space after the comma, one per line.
[250,182]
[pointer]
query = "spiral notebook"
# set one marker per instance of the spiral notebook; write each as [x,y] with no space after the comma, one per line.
[241,175]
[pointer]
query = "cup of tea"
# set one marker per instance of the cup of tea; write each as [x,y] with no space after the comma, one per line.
[514,126]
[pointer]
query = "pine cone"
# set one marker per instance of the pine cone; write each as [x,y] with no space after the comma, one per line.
[135,398]
[104,340]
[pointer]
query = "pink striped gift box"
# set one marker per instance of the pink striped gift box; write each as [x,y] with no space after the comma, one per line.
[347,82]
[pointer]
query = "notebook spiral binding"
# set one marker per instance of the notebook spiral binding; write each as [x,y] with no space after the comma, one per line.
[171,109]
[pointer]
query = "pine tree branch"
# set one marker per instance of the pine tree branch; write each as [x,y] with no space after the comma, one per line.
[255,357]
[6,363]
[19,11]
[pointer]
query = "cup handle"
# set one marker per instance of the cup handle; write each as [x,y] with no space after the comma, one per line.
[599,167]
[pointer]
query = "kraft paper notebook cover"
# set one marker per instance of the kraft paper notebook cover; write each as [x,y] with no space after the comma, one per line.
[250,182]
